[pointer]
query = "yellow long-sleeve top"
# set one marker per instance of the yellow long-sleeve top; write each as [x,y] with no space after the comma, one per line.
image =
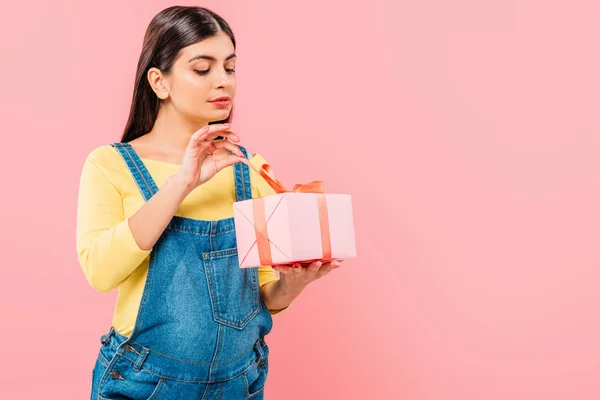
[109,196]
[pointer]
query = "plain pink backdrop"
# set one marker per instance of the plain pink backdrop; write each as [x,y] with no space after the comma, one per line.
[466,132]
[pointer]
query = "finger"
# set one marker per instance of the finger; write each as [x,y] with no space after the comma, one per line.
[195,138]
[211,128]
[314,266]
[323,272]
[229,146]
[326,268]
[296,269]
[229,135]
[210,132]
[226,162]
[209,147]
[285,269]
[197,143]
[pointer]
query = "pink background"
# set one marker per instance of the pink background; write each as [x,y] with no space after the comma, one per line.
[466,132]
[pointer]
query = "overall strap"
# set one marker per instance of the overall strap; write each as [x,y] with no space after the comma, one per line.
[243,189]
[142,177]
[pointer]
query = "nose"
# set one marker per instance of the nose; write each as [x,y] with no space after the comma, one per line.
[222,79]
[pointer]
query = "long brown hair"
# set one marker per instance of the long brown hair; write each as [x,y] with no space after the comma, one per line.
[169,31]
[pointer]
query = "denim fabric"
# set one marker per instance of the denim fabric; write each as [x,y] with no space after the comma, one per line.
[200,328]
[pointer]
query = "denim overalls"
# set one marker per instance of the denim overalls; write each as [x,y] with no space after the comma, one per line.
[200,328]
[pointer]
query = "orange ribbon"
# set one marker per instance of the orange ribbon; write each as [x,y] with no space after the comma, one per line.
[260,218]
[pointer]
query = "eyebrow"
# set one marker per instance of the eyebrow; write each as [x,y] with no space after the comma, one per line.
[210,58]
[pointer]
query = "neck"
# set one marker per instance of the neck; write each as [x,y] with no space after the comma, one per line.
[172,130]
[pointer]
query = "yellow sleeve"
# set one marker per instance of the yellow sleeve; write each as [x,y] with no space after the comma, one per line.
[261,188]
[106,249]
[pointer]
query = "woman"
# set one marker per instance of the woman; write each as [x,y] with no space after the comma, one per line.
[155,220]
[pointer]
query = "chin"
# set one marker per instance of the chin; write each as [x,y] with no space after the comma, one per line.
[220,114]
[211,116]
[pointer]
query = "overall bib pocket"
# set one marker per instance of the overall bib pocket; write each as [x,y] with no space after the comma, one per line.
[234,291]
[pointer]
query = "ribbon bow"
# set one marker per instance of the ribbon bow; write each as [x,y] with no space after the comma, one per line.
[260,219]
[267,173]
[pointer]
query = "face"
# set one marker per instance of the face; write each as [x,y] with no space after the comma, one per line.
[202,72]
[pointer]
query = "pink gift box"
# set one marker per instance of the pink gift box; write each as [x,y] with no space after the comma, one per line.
[296,227]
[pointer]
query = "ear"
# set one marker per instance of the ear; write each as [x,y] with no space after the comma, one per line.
[158,83]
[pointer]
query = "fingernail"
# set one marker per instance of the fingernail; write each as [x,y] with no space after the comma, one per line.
[319,263]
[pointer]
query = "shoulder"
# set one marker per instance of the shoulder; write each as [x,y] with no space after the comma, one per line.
[104,162]
[256,159]
[104,155]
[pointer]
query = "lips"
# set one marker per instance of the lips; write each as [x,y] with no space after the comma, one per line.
[224,98]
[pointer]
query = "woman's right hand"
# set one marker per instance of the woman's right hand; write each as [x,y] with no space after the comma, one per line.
[205,156]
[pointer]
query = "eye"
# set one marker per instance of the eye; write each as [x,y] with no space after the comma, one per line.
[204,72]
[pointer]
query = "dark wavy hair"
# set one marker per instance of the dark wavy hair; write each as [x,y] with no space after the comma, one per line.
[169,31]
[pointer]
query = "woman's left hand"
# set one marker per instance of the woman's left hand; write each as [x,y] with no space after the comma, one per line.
[296,277]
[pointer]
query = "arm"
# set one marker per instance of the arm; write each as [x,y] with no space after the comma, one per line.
[277,296]
[109,246]
[150,221]
[293,280]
